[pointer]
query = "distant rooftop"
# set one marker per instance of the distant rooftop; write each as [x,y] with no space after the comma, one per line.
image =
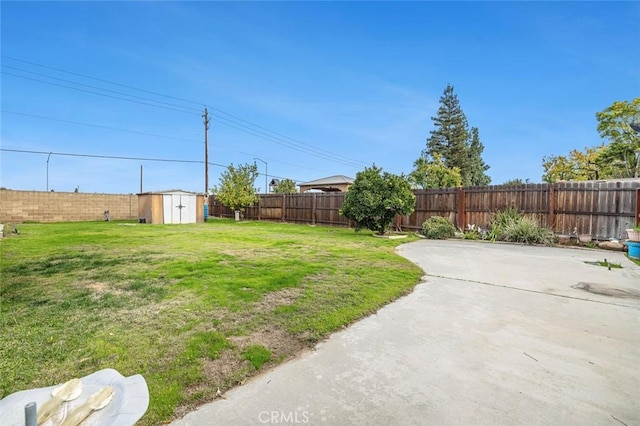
[337,183]
[331,180]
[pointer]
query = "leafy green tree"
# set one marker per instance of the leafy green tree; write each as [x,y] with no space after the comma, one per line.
[477,166]
[578,165]
[236,189]
[454,143]
[620,158]
[557,167]
[622,152]
[589,164]
[434,174]
[375,198]
[285,186]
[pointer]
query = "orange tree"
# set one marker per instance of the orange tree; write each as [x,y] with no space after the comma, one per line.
[375,198]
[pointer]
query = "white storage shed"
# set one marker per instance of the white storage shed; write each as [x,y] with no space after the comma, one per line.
[173,206]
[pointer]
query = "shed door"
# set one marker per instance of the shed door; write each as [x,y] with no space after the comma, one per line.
[186,208]
[168,209]
[179,208]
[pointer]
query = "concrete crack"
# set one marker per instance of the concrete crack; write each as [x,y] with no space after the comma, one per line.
[617,419]
[533,291]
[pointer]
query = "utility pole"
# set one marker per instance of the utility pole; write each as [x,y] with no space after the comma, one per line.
[266,174]
[48,157]
[206,152]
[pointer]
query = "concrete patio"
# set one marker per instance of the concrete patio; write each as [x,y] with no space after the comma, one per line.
[496,334]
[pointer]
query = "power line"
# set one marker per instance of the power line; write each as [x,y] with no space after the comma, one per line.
[226,122]
[222,148]
[117,157]
[112,157]
[96,93]
[101,80]
[284,143]
[100,88]
[99,126]
[159,94]
[279,138]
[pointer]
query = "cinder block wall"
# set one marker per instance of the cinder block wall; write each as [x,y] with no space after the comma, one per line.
[40,206]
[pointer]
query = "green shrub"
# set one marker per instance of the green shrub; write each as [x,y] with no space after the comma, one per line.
[512,226]
[504,218]
[438,228]
[471,235]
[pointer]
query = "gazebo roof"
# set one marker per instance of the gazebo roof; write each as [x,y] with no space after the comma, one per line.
[331,180]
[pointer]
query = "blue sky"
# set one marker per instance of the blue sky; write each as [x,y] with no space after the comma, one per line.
[347,83]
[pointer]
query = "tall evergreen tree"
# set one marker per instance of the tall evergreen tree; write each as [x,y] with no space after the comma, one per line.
[477,166]
[449,138]
[454,143]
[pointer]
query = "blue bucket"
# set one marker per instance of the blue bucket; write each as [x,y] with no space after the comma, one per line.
[634,249]
[206,212]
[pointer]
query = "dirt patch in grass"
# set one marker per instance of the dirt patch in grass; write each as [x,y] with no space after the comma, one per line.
[223,373]
[286,296]
[316,278]
[230,369]
[100,288]
[241,254]
[169,318]
[282,343]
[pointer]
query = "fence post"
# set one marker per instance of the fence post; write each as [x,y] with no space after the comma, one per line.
[398,223]
[617,201]
[260,207]
[551,217]
[462,219]
[638,207]
[313,210]
[284,206]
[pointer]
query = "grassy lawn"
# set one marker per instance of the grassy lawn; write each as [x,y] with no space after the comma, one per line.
[192,308]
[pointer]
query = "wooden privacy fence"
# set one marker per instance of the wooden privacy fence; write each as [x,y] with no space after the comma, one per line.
[314,208]
[603,209]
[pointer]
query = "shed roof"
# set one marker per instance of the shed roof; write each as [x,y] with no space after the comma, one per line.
[169,191]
